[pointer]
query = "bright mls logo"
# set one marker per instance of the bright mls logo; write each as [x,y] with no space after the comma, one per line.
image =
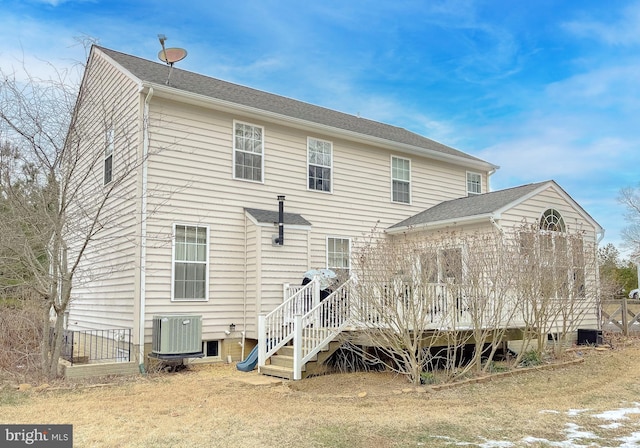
[36,436]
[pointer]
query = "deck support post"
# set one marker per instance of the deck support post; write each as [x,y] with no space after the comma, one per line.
[297,347]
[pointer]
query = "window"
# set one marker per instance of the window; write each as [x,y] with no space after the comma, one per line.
[320,160]
[190,262]
[400,180]
[552,221]
[338,254]
[211,349]
[474,183]
[445,266]
[248,147]
[108,155]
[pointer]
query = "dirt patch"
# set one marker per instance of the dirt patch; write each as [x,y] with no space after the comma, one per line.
[216,405]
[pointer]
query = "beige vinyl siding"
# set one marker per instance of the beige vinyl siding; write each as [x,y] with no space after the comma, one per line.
[104,289]
[191,176]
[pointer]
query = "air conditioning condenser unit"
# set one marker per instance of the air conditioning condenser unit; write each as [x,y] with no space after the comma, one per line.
[177,335]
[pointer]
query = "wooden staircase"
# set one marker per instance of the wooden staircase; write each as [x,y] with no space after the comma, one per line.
[281,364]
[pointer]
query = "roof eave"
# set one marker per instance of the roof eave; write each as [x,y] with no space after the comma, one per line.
[466,220]
[228,106]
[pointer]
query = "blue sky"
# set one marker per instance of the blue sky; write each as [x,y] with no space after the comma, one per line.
[544,89]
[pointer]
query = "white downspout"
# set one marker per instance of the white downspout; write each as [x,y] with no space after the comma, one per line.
[143,225]
[496,225]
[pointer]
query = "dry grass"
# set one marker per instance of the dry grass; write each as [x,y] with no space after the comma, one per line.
[213,406]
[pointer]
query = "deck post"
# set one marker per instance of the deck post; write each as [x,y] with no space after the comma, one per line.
[262,341]
[297,347]
[316,290]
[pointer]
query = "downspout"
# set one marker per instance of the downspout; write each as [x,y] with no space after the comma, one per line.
[143,226]
[246,278]
[496,225]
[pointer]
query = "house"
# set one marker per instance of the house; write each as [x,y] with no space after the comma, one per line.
[225,193]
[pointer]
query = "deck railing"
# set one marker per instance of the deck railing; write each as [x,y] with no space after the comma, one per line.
[320,326]
[84,346]
[277,328]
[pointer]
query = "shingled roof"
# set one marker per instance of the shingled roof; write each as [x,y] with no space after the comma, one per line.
[157,73]
[271,217]
[470,206]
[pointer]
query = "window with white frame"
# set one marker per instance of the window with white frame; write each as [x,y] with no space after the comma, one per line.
[190,262]
[320,162]
[248,152]
[108,155]
[339,254]
[474,183]
[400,180]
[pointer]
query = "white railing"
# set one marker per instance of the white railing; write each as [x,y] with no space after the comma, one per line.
[277,328]
[318,327]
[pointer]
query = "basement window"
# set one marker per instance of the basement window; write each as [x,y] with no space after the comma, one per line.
[211,349]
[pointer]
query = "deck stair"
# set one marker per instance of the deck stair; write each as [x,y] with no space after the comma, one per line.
[297,337]
[280,365]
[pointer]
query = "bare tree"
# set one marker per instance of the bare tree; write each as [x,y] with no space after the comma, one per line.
[630,198]
[56,140]
[422,301]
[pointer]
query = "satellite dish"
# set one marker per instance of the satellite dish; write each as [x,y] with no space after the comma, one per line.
[172,55]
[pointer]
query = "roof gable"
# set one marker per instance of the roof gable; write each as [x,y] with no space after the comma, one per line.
[181,80]
[484,206]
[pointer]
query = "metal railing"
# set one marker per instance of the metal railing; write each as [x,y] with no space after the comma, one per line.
[84,346]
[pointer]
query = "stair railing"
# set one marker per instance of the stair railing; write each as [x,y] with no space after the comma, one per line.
[276,328]
[318,327]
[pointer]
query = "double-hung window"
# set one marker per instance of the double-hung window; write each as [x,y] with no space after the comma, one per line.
[108,155]
[248,152]
[339,254]
[190,262]
[474,183]
[320,162]
[400,180]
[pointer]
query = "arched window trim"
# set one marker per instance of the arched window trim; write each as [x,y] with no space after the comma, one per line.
[552,221]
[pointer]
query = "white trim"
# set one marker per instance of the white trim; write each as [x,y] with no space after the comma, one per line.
[173,262]
[330,191]
[400,180]
[336,237]
[253,112]
[445,223]
[473,193]
[234,149]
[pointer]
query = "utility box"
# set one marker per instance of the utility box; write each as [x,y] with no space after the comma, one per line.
[589,337]
[176,334]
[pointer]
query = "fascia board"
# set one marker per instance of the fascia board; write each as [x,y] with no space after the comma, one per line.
[554,186]
[441,224]
[231,107]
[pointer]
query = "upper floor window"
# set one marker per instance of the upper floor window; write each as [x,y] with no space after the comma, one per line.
[248,152]
[320,161]
[108,155]
[339,254]
[400,180]
[474,183]
[190,262]
[552,221]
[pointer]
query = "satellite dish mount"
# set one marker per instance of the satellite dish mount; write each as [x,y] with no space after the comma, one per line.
[170,55]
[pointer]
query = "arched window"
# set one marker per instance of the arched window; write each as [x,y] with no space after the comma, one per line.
[552,221]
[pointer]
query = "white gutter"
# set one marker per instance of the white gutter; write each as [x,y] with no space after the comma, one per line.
[440,224]
[600,237]
[195,98]
[143,225]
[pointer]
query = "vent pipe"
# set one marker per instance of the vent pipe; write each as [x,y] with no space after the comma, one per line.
[280,240]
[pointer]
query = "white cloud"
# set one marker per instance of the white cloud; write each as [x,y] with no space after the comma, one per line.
[622,30]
